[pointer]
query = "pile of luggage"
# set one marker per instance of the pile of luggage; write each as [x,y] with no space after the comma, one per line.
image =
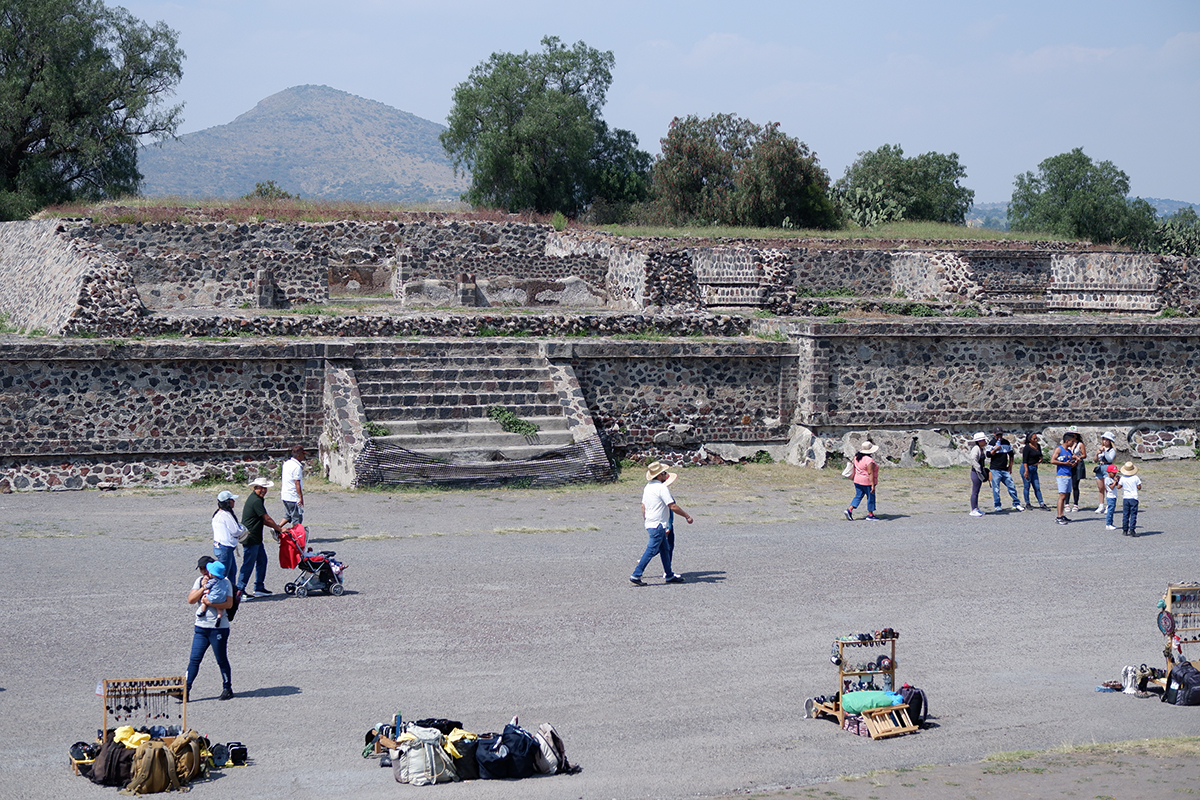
[431,751]
[141,763]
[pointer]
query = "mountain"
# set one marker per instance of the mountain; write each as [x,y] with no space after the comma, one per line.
[313,141]
[1167,208]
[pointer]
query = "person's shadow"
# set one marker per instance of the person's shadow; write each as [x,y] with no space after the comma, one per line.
[271,691]
[713,576]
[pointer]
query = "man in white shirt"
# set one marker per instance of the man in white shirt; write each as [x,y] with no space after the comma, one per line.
[292,491]
[657,505]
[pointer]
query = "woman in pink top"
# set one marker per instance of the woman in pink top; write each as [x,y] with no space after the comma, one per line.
[866,476]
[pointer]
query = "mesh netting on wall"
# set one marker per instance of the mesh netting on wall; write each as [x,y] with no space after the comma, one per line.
[583,462]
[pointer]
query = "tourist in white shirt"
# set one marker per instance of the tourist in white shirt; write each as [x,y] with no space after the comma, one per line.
[657,505]
[292,491]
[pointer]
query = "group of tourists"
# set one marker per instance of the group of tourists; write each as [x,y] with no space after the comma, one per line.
[220,585]
[992,461]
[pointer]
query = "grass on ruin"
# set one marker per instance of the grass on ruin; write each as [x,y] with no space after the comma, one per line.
[891,231]
[133,210]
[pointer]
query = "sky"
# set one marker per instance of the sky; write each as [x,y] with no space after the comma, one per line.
[1003,84]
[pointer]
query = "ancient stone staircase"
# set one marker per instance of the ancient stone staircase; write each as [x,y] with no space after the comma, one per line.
[433,398]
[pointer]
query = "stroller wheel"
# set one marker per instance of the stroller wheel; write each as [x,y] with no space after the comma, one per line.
[301,591]
[289,588]
[336,590]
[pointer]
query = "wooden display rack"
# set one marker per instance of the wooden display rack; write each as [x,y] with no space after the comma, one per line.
[881,722]
[154,692]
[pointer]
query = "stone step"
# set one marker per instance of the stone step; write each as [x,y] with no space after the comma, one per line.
[388,364]
[473,425]
[379,388]
[474,455]
[440,373]
[478,442]
[453,398]
[456,412]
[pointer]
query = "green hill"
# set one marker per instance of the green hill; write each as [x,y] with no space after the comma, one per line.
[313,141]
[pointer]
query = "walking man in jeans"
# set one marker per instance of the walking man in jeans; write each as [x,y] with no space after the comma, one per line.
[657,505]
[292,491]
[1001,454]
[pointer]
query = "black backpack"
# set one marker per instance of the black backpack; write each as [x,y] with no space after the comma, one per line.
[113,765]
[918,704]
[1183,685]
[509,756]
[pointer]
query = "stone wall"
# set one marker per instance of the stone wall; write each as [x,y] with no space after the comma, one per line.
[673,393]
[82,405]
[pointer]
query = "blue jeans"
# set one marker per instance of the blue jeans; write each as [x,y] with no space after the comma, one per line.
[254,557]
[202,639]
[226,556]
[1030,478]
[295,512]
[656,546]
[860,492]
[1003,476]
[1111,508]
[1129,509]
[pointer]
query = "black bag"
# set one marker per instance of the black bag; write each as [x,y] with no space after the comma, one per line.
[113,765]
[918,704]
[231,612]
[467,766]
[511,756]
[443,726]
[1183,685]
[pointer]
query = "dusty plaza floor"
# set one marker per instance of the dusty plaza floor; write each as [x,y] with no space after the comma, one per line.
[480,605]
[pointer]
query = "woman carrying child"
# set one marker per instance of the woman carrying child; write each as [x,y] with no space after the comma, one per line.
[211,622]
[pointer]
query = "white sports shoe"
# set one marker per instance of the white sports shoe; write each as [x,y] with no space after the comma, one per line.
[1110,527]
[1100,509]
[976,513]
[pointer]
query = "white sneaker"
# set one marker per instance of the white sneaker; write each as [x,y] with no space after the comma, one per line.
[1110,527]
[1018,508]
[1074,508]
[1100,509]
[975,512]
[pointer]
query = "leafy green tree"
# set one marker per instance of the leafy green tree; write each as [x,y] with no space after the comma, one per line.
[925,187]
[725,169]
[528,129]
[1070,195]
[268,191]
[80,84]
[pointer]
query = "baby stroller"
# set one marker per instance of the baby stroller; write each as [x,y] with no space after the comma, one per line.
[319,571]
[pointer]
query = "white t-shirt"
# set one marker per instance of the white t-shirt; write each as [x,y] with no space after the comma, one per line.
[226,528]
[293,471]
[209,618]
[656,497]
[1129,485]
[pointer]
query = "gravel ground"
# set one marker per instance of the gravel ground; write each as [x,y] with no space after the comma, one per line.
[481,605]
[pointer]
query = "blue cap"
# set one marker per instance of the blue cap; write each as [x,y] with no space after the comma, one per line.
[216,569]
[226,495]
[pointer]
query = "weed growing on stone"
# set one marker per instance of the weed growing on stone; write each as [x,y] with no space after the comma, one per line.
[771,336]
[1170,311]
[375,429]
[646,336]
[313,308]
[966,312]
[510,422]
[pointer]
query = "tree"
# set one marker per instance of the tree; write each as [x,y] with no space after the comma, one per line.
[724,169]
[80,84]
[1179,234]
[1070,195]
[925,187]
[528,129]
[269,191]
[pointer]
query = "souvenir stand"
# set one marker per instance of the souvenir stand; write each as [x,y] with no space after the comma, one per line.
[1179,622]
[868,661]
[142,702]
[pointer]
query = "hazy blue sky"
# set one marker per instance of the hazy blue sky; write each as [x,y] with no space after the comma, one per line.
[1003,84]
